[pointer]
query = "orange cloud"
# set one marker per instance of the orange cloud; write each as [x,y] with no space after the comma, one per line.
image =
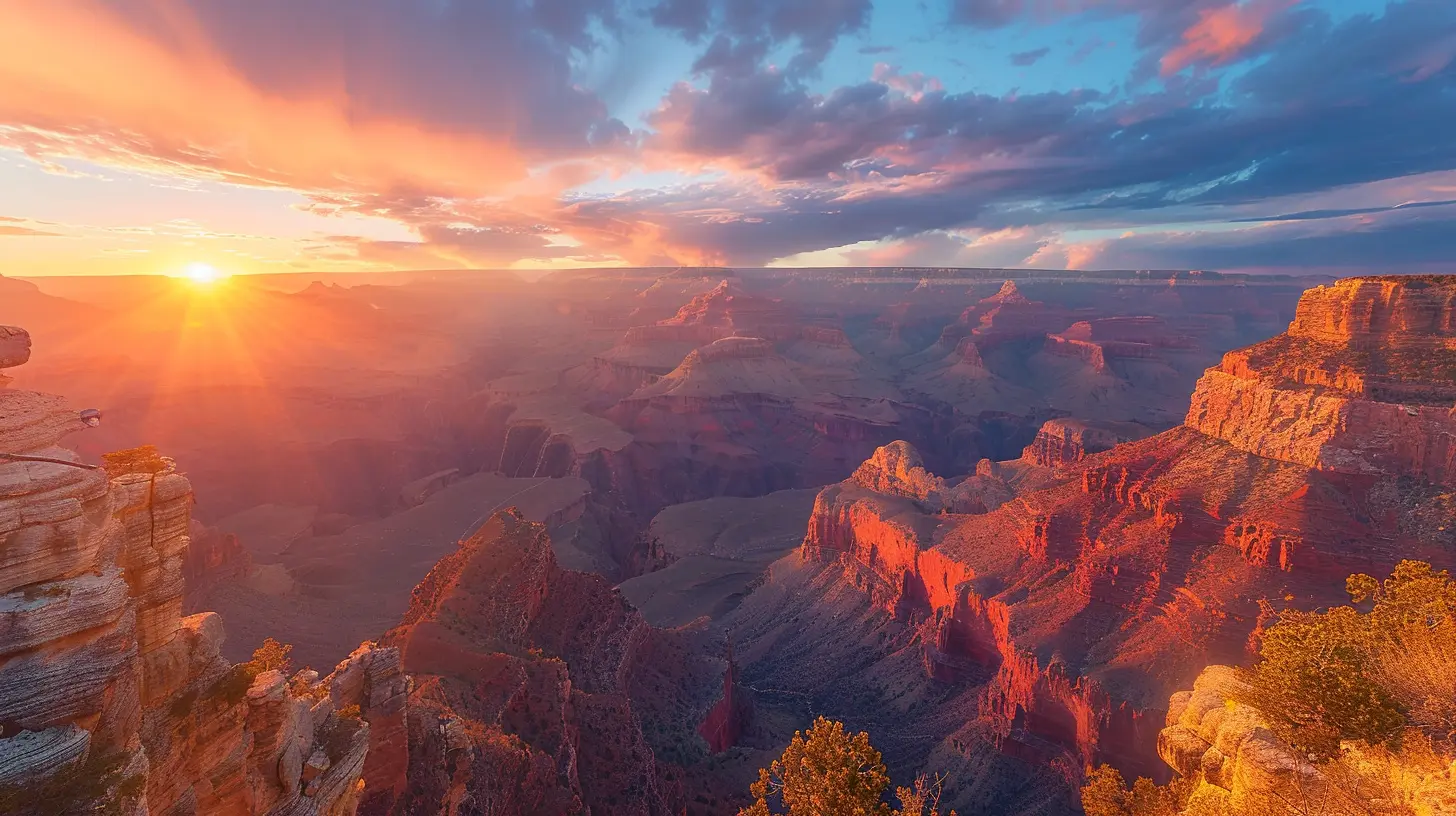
[1221,34]
[78,79]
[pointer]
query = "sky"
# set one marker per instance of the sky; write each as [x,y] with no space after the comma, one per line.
[144,136]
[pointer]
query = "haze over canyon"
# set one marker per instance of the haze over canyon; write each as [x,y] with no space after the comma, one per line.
[609,537]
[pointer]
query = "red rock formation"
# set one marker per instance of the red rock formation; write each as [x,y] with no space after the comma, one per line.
[1380,312]
[723,725]
[735,419]
[541,690]
[1009,315]
[1098,342]
[969,353]
[878,523]
[1068,441]
[728,308]
[1073,610]
[212,556]
[1361,384]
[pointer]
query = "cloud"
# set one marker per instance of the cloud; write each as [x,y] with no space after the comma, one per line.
[1178,34]
[892,126]
[7,230]
[1315,215]
[755,25]
[1029,57]
[469,124]
[1222,34]
[1007,248]
[913,85]
[335,94]
[1377,245]
[891,159]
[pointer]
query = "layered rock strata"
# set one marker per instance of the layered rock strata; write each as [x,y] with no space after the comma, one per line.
[1068,441]
[1073,610]
[1362,383]
[103,682]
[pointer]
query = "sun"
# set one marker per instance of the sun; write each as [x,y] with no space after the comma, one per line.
[204,274]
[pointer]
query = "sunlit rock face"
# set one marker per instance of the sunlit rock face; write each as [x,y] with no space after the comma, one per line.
[1052,624]
[1231,759]
[102,678]
[1362,383]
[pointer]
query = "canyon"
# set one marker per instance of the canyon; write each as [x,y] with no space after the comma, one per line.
[1045,634]
[609,540]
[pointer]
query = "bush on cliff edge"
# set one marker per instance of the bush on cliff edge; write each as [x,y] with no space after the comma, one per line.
[1340,686]
[828,772]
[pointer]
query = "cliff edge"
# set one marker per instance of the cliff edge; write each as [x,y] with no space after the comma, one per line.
[109,697]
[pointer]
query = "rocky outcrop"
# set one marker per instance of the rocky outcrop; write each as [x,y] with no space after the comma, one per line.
[212,557]
[14,347]
[1415,311]
[541,690]
[98,667]
[727,368]
[731,310]
[1361,384]
[1009,315]
[878,525]
[1212,738]
[735,419]
[1235,763]
[725,721]
[897,470]
[1068,441]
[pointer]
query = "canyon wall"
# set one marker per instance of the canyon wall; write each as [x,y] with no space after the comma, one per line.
[1068,441]
[107,693]
[1076,606]
[1362,383]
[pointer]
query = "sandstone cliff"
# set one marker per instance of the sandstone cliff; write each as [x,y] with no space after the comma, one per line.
[108,696]
[1362,383]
